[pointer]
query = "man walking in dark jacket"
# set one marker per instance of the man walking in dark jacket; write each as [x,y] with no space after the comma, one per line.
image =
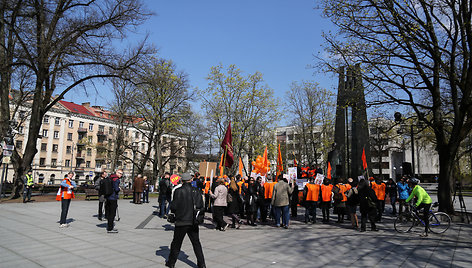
[165,194]
[112,201]
[184,200]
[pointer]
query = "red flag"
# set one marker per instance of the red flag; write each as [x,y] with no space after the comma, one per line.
[364,160]
[240,167]
[227,146]
[328,174]
[280,165]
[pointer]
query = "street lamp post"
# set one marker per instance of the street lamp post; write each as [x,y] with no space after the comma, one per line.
[134,147]
[399,119]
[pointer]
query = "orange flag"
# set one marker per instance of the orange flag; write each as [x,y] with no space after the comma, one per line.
[294,161]
[364,159]
[265,159]
[221,165]
[328,174]
[240,167]
[280,165]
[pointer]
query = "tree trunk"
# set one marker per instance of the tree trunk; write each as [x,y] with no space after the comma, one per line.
[446,164]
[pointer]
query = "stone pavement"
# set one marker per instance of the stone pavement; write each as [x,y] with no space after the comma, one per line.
[30,237]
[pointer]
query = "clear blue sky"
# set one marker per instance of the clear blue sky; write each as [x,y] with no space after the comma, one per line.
[275,37]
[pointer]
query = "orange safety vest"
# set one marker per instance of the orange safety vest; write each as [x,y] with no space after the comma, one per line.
[379,190]
[343,189]
[313,192]
[268,189]
[326,192]
[68,194]
[239,183]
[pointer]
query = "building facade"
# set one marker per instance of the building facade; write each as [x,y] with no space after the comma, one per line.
[79,138]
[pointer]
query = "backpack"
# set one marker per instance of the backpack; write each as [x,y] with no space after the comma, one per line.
[338,196]
[106,186]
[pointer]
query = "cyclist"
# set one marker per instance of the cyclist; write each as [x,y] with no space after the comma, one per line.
[424,201]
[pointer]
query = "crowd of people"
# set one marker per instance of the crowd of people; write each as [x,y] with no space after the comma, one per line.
[272,201]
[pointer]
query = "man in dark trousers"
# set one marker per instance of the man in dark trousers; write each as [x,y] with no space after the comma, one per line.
[182,206]
[101,197]
[112,201]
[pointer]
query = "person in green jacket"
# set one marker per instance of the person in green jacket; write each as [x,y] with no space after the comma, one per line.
[423,201]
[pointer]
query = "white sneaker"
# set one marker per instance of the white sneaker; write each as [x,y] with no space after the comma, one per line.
[64,225]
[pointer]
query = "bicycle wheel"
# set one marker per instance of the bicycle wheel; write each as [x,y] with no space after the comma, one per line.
[439,222]
[404,222]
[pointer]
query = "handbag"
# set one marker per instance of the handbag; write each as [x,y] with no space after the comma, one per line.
[171,218]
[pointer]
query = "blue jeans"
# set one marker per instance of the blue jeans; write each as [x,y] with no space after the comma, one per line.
[285,211]
[163,207]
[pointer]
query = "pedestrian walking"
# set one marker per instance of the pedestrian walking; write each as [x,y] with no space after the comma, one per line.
[66,194]
[165,195]
[185,202]
[219,205]
[280,200]
[379,188]
[101,194]
[146,189]
[368,205]
[391,190]
[326,198]
[311,196]
[234,204]
[403,194]
[111,204]
[251,201]
[138,187]
[352,203]
[29,185]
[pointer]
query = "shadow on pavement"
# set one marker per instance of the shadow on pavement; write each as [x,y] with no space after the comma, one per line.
[164,252]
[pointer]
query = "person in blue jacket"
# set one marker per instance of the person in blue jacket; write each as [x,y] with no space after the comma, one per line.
[403,193]
[111,204]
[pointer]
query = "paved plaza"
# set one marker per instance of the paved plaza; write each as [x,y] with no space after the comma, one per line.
[30,237]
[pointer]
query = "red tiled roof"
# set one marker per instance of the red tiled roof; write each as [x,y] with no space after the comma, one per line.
[76,108]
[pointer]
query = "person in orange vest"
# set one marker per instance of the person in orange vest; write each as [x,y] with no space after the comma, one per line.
[311,196]
[66,195]
[379,188]
[268,191]
[326,197]
[206,192]
[340,199]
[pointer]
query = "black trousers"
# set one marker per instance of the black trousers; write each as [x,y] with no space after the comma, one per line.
[325,210]
[426,208]
[100,209]
[380,209]
[65,203]
[179,234]
[371,214]
[218,212]
[27,193]
[110,211]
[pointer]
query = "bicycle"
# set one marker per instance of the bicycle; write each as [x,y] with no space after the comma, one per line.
[439,222]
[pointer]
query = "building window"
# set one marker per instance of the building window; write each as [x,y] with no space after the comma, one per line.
[87,164]
[81,124]
[127,133]
[90,139]
[42,162]
[69,136]
[46,119]
[67,163]
[19,145]
[68,149]
[55,147]
[44,147]
[110,130]
[143,146]
[56,134]
[57,121]
[101,128]
[71,123]
[45,133]
[89,152]
[90,126]
[20,129]
[53,162]
[98,164]
[136,135]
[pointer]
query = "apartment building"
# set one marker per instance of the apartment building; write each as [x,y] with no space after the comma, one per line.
[79,138]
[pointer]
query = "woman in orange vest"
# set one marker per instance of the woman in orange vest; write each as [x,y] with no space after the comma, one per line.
[66,194]
[340,200]
[326,193]
[379,188]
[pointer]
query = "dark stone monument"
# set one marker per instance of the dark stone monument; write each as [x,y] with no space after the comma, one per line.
[351,133]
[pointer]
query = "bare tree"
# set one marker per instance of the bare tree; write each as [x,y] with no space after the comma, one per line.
[312,111]
[414,54]
[68,43]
